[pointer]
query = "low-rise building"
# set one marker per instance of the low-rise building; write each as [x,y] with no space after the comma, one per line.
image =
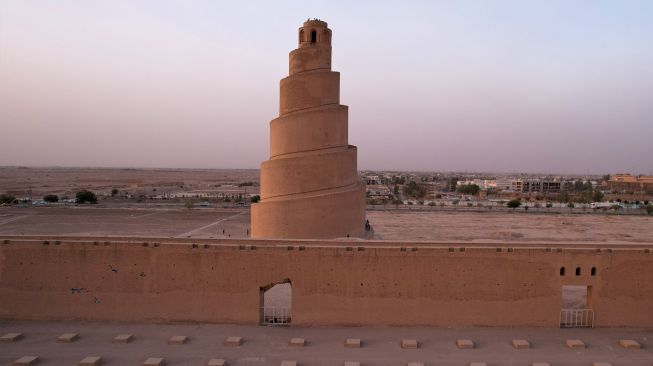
[628,182]
[536,185]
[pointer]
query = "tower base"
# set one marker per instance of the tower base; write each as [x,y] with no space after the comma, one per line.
[328,214]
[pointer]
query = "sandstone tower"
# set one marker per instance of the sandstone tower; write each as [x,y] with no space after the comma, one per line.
[310,186]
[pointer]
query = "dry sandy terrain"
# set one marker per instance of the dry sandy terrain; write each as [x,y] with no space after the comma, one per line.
[518,226]
[205,223]
[388,225]
[65,181]
[268,345]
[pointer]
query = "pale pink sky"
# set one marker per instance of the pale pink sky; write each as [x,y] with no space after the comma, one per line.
[548,86]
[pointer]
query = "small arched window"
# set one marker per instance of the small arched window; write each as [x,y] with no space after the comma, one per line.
[577,271]
[593,271]
[313,36]
[301,36]
[562,271]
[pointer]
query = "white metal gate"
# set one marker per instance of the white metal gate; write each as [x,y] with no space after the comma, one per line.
[577,318]
[275,316]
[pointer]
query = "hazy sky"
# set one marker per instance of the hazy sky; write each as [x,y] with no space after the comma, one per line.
[536,86]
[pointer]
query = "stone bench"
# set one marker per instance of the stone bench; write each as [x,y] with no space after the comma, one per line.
[91,361]
[465,343]
[575,343]
[68,337]
[297,342]
[178,340]
[409,343]
[122,338]
[216,362]
[11,337]
[233,341]
[629,344]
[520,344]
[353,343]
[26,360]
[154,361]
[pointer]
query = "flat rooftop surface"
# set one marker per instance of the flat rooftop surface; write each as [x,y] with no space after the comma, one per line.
[395,225]
[325,345]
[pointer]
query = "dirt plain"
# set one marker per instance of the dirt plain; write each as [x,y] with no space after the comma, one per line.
[95,220]
[20,181]
[510,226]
[169,218]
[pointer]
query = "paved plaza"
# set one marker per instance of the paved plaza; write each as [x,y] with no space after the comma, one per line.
[323,345]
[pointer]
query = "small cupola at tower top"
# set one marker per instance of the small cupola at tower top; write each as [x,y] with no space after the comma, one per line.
[314,32]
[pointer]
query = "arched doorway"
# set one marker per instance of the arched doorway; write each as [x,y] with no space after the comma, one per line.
[276,303]
[576,306]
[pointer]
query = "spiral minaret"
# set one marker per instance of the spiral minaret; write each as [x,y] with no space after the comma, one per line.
[310,186]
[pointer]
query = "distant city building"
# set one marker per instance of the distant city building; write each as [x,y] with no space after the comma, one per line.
[536,185]
[503,184]
[452,184]
[372,180]
[483,184]
[627,182]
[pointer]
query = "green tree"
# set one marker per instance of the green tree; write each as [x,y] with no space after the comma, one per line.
[114,192]
[85,196]
[563,197]
[514,203]
[413,189]
[597,196]
[649,209]
[472,189]
[51,198]
[255,199]
[7,199]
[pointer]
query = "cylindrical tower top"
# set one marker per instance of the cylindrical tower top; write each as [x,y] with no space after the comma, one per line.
[314,32]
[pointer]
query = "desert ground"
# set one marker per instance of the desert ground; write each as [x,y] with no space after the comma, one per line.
[508,226]
[91,220]
[21,181]
[269,345]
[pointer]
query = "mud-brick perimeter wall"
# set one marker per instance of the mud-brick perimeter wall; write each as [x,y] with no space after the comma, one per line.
[430,285]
